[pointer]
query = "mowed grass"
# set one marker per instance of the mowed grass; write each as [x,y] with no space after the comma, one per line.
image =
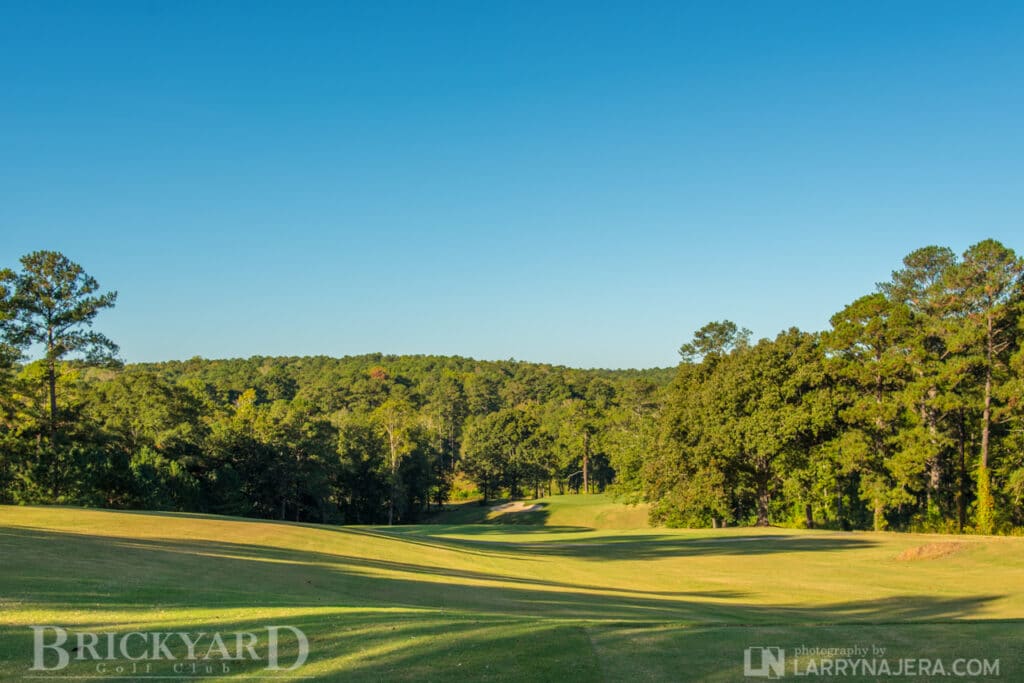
[596,511]
[555,602]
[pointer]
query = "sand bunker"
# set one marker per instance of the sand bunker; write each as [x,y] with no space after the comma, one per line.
[515,506]
[931,551]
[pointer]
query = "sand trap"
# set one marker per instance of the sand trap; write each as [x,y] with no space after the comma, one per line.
[516,506]
[931,551]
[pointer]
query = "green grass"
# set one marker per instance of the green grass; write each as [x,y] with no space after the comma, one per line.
[596,511]
[559,602]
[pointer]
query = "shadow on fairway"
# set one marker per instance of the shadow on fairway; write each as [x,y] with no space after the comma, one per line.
[101,572]
[374,618]
[432,530]
[606,548]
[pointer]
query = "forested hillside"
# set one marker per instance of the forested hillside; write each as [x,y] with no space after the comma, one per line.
[905,414]
[367,439]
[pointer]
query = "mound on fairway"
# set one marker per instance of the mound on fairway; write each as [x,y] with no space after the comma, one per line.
[595,511]
[515,602]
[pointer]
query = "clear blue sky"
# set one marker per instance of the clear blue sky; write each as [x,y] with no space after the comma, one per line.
[579,183]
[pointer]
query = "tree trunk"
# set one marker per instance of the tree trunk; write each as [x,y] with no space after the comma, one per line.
[935,461]
[586,462]
[762,507]
[879,515]
[961,494]
[762,475]
[839,503]
[51,378]
[986,505]
[986,420]
[452,450]
[394,472]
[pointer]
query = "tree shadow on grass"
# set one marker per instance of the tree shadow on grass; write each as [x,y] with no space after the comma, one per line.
[600,548]
[375,618]
[66,569]
[409,646]
[431,530]
[369,647]
[606,548]
[101,567]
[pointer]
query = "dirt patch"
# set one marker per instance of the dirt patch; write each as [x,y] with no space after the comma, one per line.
[516,506]
[931,551]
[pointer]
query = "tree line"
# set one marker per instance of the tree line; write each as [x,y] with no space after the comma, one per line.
[905,414]
[366,439]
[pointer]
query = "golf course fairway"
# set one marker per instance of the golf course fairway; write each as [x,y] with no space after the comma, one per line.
[543,600]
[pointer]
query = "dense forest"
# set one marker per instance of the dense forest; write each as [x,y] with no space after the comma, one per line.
[905,414]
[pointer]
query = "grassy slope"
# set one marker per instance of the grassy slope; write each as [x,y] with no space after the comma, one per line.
[493,602]
[597,511]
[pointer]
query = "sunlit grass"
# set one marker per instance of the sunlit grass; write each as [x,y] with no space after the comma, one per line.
[508,602]
[599,511]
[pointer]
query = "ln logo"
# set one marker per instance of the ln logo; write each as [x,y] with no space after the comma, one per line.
[764,662]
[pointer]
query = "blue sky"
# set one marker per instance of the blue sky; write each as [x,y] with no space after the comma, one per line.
[578,183]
